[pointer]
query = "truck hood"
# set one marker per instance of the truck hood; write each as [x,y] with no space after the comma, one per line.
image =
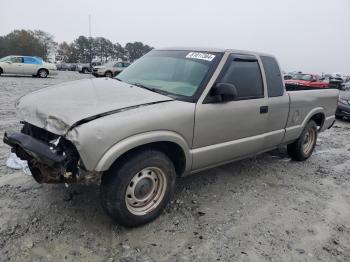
[61,107]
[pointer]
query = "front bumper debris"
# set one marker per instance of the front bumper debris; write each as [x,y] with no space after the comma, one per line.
[49,162]
[28,147]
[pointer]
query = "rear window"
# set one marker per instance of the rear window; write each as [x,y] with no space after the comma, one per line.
[274,81]
[245,75]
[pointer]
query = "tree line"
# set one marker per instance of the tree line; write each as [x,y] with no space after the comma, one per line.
[81,50]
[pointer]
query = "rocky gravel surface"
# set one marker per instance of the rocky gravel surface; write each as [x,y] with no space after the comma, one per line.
[267,208]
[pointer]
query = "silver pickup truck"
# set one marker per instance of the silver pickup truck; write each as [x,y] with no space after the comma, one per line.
[171,113]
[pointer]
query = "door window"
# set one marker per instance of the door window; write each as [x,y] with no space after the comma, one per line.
[31,60]
[16,59]
[245,75]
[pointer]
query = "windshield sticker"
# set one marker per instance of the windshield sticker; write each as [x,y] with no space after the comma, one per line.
[202,56]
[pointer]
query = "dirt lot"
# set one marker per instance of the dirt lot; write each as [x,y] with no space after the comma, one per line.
[266,208]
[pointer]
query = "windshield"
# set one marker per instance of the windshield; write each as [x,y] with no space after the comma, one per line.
[178,73]
[302,77]
[5,58]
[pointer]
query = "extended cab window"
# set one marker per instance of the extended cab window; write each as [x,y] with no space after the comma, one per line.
[274,81]
[245,75]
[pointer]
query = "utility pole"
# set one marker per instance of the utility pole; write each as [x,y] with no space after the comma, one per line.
[90,42]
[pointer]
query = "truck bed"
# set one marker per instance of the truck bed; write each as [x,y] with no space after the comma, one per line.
[305,103]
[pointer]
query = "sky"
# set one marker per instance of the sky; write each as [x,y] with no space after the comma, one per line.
[308,35]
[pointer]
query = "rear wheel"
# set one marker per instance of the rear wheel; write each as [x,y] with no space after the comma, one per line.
[135,191]
[303,147]
[85,71]
[43,73]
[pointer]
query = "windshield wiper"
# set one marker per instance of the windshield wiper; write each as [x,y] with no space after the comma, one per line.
[116,78]
[156,90]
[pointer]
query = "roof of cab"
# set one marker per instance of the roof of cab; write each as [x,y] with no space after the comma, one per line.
[210,49]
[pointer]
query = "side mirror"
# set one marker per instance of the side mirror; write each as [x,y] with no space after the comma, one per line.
[224,91]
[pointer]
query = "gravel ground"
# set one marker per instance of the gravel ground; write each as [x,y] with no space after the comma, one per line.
[267,208]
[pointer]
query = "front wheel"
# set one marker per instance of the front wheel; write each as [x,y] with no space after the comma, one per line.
[303,147]
[136,190]
[42,73]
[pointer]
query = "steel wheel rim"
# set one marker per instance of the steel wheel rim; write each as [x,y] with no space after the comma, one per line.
[145,191]
[309,140]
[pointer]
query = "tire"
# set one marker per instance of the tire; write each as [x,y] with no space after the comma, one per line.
[85,71]
[302,148]
[136,190]
[109,74]
[43,73]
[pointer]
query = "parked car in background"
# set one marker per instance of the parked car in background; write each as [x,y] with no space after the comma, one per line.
[343,109]
[305,81]
[335,82]
[73,67]
[287,76]
[26,65]
[173,113]
[346,86]
[86,68]
[62,66]
[110,69]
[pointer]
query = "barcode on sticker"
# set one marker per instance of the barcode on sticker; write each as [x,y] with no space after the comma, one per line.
[202,56]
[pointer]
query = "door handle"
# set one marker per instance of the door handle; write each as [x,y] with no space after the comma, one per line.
[264,109]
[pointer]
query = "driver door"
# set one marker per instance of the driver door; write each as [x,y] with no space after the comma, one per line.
[225,131]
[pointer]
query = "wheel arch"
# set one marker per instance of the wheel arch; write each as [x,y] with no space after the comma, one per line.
[319,119]
[170,143]
[318,115]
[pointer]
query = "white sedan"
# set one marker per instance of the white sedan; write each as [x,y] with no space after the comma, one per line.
[26,65]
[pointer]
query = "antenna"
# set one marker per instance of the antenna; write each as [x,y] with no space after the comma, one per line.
[90,43]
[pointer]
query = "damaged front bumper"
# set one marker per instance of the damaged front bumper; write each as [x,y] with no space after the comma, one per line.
[51,158]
